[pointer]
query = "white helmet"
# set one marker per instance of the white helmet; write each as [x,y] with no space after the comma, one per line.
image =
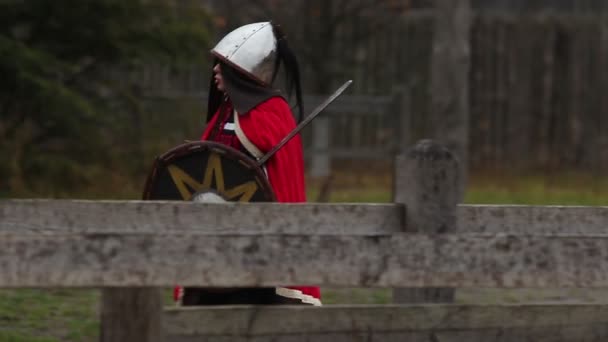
[251,49]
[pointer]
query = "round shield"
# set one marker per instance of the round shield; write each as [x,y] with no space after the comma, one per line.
[207,172]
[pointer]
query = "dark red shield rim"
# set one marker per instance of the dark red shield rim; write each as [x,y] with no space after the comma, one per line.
[198,146]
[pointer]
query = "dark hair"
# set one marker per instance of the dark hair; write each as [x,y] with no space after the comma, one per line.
[292,71]
[215,95]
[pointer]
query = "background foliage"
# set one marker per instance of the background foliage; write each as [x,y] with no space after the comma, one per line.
[65,122]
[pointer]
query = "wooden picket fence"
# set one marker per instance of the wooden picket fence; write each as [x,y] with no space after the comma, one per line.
[131,249]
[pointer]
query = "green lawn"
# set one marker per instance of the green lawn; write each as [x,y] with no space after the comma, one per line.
[32,315]
[71,315]
[563,189]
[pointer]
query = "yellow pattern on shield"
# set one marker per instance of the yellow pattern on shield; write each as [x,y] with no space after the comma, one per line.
[214,172]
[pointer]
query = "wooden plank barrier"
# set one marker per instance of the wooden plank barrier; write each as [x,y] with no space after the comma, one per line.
[40,215]
[406,260]
[546,322]
[130,249]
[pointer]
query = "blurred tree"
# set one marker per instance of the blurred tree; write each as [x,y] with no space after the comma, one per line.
[449,82]
[58,116]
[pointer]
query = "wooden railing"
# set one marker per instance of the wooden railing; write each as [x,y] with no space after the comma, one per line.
[130,249]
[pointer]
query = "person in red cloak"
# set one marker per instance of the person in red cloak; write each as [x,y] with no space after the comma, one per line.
[248,114]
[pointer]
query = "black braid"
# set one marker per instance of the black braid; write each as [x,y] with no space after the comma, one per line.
[292,70]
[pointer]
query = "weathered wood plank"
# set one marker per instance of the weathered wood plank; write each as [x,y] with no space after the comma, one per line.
[229,218]
[400,260]
[118,216]
[517,219]
[374,152]
[378,320]
[352,104]
[563,333]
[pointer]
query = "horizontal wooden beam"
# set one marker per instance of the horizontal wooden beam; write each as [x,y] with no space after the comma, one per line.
[267,218]
[379,322]
[400,260]
[345,104]
[360,153]
[228,218]
[520,219]
[349,104]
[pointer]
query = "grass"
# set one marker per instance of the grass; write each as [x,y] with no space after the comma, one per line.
[568,188]
[72,315]
[32,315]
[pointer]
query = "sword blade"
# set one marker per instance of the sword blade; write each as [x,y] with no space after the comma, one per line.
[305,122]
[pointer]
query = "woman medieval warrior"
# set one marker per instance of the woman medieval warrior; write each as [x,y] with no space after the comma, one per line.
[247,113]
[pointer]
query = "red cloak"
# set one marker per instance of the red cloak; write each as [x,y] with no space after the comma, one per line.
[265,126]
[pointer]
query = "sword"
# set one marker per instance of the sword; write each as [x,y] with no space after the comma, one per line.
[305,122]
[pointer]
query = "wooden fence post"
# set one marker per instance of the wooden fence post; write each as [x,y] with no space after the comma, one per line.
[427,181]
[131,315]
[321,160]
[400,108]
